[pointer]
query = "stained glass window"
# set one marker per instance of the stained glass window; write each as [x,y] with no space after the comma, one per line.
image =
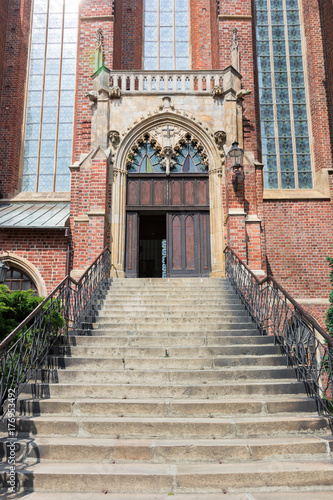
[282,96]
[166,45]
[188,158]
[50,102]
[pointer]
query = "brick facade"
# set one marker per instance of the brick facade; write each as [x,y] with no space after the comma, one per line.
[289,238]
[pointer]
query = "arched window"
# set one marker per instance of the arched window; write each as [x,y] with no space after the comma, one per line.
[18,280]
[188,158]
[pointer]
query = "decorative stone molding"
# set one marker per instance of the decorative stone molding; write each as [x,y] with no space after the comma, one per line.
[114,137]
[28,268]
[115,92]
[220,137]
[217,91]
[81,219]
[99,50]
[235,49]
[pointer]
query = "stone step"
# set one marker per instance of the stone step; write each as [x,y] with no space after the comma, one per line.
[176,307]
[163,363]
[166,328]
[180,451]
[170,408]
[175,319]
[115,302]
[152,391]
[325,493]
[160,341]
[177,478]
[173,428]
[168,377]
[172,352]
[245,332]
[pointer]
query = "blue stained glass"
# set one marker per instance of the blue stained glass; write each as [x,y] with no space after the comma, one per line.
[151,63]
[151,34]
[279,48]
[262,17]
[182,33]
[266,95]
[284,128]
[70,20]
[181,5]
[50,97]
[39,21]
[55,20]
[53,50]
[62,183]
[45,184]
[281,79]
[166,34]
[33,115]
[37,51]
[263,48]
[276,5]
[182,19]
[29,166]
[293,16]
[70,35]
[305,180]
[50,115]
[285,145]
[301,128]
[68,66]
[151,5]
[68,82]
[66,114]
[67,98]
[294,32]
[63,166]
[166,5]
[296,63]
[151,19]
[288,180]
[287,163]
[36,66]
[263,33]
[56,5]
[38,36]
[266,112]
[264,63]
[54,35]
[32,131]
[166,63]
[69,50]
[280,63]
[51,82]
[261,4]
[268,129]
[266,79]
[49,131]
[47,148]
[167,19]
[29,182]
[65,148]
[46,166]
[36,81]
[292,4]
[282,95]
[31,148]
[182,63]
[52,67]
[302,145]
[271,179]
[277,17]
[151,49]
[40,6]
[300,112]
[297,79]
[182,49]
[295,48]
[271,162]
[303,163]
[283,112]
[299,96]
[278,33]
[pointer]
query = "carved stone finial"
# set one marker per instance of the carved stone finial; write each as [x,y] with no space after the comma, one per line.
[99,49]
[115,92]
[219,138]
[235,49]
[92,96]
[114,137]
[217,91]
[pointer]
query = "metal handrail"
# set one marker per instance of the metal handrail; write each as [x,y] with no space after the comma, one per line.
[308,347]
[24,350]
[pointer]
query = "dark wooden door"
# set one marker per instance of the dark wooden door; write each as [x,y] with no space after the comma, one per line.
[132,243]
[188,244]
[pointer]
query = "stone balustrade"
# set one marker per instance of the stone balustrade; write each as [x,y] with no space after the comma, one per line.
[131,82]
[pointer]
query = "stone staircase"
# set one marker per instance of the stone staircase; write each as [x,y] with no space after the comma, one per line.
[171,392]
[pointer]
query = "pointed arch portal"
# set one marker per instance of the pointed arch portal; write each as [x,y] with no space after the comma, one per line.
[167,214]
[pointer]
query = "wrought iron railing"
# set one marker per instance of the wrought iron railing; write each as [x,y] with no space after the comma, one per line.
[308,347]
[24,350]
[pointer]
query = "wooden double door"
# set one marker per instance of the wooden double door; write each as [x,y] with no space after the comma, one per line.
[167,231]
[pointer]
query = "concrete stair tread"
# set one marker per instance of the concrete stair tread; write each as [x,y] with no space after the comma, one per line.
[283,494]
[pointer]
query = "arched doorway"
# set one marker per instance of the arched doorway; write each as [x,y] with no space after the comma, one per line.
[167,210]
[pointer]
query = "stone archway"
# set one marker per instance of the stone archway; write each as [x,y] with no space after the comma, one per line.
[213,146]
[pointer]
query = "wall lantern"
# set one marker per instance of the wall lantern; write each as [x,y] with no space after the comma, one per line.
[3,271]
[236,154]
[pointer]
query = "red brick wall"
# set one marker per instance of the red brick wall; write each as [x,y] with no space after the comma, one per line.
[326,17]
[90,9]
[45,249]
[203,48]
[129,34]
[12,93]
[3,33]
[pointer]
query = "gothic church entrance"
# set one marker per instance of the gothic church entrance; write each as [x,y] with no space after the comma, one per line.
[167,212]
